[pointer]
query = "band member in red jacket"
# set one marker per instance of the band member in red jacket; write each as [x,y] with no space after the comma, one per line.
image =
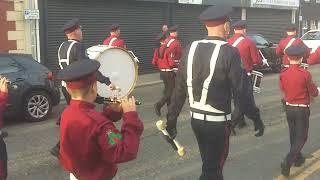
[3,149]
[314,57]
[91,146]
[290,40]
[163,60]
[173,45]
[114,38]
[298,88]
[249,55]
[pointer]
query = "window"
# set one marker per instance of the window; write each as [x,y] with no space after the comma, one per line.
[259,40]
[312,36]
[312,24]
[8,65]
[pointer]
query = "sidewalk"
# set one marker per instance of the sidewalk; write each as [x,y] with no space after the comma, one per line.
[148,79]
[143,81]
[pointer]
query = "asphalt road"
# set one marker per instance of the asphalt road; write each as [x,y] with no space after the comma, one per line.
[250,158]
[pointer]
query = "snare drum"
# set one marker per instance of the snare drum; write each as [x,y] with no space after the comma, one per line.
[119,65]
[256,79]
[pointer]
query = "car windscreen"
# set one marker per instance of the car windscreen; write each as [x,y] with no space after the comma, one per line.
[8,65]
[29,63]
[312,36]
[258,40]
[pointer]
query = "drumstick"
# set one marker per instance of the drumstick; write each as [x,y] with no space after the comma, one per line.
[263,58]
[161,126]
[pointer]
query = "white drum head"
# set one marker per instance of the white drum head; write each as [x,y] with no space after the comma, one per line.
[119,66]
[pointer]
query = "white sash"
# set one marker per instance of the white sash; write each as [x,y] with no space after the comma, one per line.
[202,105]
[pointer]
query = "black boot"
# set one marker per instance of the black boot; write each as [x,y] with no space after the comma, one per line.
[259,127]
[285,169]
[3,134]
[157,109]
[55,151]
[300,161]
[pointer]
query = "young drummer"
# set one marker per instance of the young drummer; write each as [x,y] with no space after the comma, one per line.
[91,145]
[298,88]
[3,149]
[165,63]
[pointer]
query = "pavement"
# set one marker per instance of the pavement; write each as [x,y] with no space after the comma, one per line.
[250,158]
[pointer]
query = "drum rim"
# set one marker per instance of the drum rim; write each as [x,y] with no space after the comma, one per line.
[136,66]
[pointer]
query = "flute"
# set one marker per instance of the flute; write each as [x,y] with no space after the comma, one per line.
[116,100]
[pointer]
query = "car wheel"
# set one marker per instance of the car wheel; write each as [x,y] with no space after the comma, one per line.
[37,106]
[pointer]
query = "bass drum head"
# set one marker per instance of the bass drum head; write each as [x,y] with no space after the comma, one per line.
[120,67]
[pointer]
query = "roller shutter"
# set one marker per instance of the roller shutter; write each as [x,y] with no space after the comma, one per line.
[139,21]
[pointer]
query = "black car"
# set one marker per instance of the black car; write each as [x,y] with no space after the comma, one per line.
[268,49]
[32,92]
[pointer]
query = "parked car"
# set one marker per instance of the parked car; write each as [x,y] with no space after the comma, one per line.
[312,39]
[268,49]
[32,92]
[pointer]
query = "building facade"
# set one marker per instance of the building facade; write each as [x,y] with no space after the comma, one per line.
[140,21]
[17,34]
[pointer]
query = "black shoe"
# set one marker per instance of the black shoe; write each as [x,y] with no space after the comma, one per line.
[157,109]
[55,151]
[4,134]
[285,169]
[300,161]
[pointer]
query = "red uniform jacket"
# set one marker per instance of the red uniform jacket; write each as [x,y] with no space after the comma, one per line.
[248,52]
[3,154]
[174,48]
[297,86]
[3,101]
[282,46]
[91,146]
[162,59]
[314,58]
[118,42]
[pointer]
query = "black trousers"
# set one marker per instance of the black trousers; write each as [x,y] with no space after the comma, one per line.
[238,116]
[3,159]
[298,122]
[213,142]
[168,79]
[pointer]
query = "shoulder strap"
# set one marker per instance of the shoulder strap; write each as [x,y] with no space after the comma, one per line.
[170,42]
[112,40]
[289,43]
[235,44]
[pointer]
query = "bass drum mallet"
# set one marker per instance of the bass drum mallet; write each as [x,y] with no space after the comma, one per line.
[175,144]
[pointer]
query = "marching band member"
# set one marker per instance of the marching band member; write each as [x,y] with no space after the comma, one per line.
[314,58]
[69,52]
[91,145]
[249,56]
[298,88]
[174,45]
[163,60]
[3,148]
[285,43]
[208,74]
[114,38]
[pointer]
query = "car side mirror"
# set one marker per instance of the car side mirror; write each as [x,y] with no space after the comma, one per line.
[270,44]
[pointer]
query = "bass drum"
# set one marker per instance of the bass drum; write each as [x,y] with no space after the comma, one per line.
[119,65]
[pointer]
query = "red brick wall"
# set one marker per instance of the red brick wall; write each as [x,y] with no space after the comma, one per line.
[5,26]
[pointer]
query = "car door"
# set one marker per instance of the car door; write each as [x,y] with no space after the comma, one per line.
[16,75]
